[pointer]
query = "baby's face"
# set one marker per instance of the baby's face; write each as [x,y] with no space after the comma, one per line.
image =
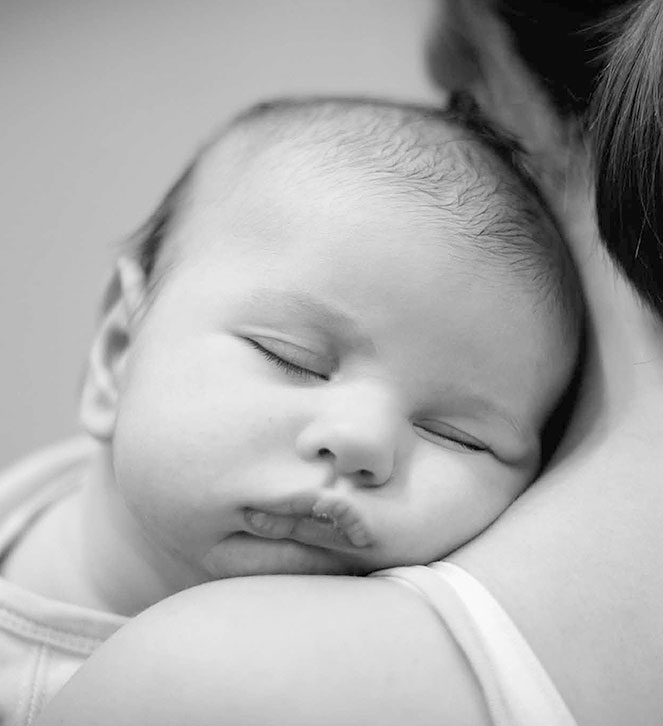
[326,384]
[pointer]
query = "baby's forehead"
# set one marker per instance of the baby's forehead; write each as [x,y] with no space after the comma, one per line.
[279,189]
[264,176]
[421,172]
[260,202]
[282,192]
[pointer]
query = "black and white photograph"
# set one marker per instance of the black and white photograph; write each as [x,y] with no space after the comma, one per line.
[333,366]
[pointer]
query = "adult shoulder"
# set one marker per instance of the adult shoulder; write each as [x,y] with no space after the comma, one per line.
[275,650]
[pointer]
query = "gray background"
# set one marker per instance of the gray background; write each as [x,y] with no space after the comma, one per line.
[102,102]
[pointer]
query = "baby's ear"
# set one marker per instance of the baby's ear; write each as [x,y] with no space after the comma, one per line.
[103,381]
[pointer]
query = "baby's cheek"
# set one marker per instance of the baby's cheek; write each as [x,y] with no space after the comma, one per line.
[461,494]
[154,457]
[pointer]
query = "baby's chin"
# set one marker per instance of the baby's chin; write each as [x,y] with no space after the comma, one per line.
[243,555]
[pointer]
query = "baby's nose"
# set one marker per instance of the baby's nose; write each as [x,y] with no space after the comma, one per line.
[359,439]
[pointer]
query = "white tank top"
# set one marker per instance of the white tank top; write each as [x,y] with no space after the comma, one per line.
[517,689]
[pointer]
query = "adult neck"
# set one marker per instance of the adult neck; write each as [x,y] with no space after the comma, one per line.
[624,367]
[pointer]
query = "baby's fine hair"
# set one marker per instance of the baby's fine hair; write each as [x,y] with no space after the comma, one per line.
[451,160]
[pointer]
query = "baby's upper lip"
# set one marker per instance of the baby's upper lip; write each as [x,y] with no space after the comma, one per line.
[321,520]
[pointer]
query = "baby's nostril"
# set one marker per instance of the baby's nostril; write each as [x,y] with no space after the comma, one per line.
[365,473]
[324,453]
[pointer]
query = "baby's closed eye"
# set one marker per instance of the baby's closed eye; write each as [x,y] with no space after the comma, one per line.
[439,431]
[293,359]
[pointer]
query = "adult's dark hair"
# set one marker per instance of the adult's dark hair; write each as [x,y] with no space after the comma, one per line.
[628,142]
[560,41]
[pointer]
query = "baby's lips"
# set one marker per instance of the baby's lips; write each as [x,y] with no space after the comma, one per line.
[345,517]
[321,523]
[305,530]
[270,525]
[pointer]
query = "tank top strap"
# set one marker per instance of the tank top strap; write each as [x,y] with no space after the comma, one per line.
[517,689]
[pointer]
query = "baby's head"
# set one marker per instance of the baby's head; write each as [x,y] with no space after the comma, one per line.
[335,348]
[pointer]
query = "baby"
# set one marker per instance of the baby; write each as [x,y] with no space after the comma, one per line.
[333,350]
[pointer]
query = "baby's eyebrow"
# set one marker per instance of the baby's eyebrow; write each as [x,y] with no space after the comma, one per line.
[301,305]
[471,401]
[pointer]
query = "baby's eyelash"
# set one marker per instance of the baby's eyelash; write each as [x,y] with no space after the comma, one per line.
[455,439]
[466,444]
[285,365]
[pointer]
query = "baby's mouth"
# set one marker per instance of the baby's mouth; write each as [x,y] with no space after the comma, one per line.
[317,521]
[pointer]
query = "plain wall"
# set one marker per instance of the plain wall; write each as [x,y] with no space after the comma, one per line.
[102,102]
